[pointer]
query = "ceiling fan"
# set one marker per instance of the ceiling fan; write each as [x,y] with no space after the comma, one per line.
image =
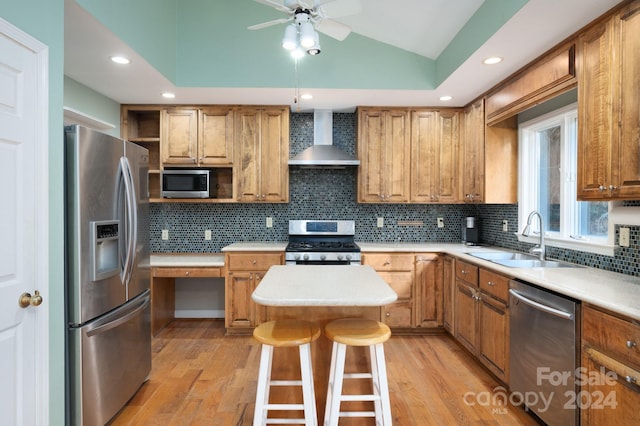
[307,17]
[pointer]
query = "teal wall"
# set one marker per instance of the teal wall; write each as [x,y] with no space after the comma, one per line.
[83,99]
[44,20]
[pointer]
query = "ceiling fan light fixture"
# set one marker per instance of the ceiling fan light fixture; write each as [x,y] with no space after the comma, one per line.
[315,49]
[297,53]
[307,35]
[289,41]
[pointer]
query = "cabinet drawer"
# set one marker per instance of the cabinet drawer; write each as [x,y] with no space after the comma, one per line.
[494,284]
[400,282]
[187,272]
[389,261]
[467,272]
[611,334]
[253,261]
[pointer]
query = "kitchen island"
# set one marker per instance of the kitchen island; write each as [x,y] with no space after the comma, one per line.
[321,293]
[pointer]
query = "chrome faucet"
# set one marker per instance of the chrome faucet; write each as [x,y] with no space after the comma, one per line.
[540,248]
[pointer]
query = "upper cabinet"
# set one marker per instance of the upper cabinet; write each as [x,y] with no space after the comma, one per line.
[488,159]
[435,136]
[383,150]
[608,109]
[261,172]
[197,136]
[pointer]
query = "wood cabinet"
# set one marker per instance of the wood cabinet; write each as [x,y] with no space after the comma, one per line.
[197,137]
[244,272]
[141,124]
[481,320]
[435,136]
[384,153]
[448,293]
[610,380]
[397,270]
[608,109]
[488,158]
[428,281]
[261,172]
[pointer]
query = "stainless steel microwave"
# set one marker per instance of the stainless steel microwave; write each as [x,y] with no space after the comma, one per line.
[185,183]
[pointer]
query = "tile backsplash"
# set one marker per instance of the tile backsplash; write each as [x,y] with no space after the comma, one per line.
[328,193]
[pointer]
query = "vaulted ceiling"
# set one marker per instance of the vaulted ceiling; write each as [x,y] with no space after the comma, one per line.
[400,52]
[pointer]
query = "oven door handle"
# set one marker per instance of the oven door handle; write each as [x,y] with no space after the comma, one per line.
[540,306]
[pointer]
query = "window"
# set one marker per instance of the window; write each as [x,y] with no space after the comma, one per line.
[547,183]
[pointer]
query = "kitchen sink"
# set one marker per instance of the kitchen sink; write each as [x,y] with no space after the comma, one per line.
[519,260]
[502,255]
[533,263]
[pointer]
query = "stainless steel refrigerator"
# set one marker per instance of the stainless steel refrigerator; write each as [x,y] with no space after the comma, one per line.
[106,273]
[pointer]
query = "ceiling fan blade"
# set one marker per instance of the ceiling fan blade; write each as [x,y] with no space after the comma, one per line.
[275,5]
[337,9]
[269,23]
[333,29]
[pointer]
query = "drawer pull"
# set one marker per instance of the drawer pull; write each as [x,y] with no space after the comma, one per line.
[631,344]
[186,273]
[490,283]
[464,272]
[630,379]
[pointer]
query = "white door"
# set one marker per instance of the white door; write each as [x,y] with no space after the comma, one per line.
[23,228]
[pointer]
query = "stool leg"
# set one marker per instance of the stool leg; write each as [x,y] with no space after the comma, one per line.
[262,390]
[332,370]
[337,366]
[375,383]
[308,393]
[381,369]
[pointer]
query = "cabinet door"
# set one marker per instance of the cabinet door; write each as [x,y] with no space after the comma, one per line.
[274,155]
[609,394]
[466,315]
[493,336]
[429,284]
[247,164]
[383,147]
[240,309]
[626,169]
[402,312]
[424,147]
[595,116]
[446,177]
[472,156]
[215,136]
[448,293]
[179,138]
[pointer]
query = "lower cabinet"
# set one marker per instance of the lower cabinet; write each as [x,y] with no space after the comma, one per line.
[417,279]
[610,379]
[448,293]
[244,272]
[481,318]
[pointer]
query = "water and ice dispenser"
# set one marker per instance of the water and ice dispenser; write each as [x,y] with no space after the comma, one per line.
[105,249]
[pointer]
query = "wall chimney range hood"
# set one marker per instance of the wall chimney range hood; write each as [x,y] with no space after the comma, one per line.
[322,152]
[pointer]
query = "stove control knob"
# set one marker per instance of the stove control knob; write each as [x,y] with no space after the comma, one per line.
[323,257]
[348,257]
[339,257]
[306,257]
[297,257]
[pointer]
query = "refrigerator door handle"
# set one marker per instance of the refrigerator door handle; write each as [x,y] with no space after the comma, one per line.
[130,201]
[113,324]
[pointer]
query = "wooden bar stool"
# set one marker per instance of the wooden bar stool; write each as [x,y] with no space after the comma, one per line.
[358,332]
[286,333]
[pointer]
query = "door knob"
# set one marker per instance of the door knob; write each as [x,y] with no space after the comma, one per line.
[26,299]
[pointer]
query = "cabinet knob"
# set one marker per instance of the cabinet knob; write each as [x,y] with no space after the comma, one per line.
[490,283]
[463,272]
[631,344]
[601,188]
[186,273]
[631,379]
[254,261]
[388,314]
[612,187]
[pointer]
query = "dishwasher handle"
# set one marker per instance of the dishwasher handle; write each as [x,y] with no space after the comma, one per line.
[540,306]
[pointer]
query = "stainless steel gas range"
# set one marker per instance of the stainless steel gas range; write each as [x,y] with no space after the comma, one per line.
[322,242]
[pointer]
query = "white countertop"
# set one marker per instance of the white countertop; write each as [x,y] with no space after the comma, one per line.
[318,285]
[187,260]
[256,246]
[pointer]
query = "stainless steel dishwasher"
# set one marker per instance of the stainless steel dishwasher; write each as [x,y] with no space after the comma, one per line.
[544,352]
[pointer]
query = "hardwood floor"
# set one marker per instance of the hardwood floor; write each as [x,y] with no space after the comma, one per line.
[202,377]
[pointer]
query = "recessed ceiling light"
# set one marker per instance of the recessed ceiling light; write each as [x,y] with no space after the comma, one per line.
[446,98]
[120,60]
[306,96]
[168,95]
[492,60]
